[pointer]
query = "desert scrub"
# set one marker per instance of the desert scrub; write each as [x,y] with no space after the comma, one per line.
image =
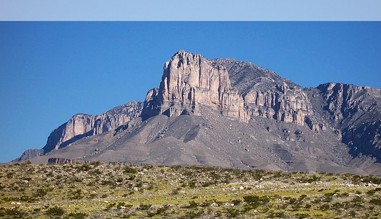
[117,190]
[55,211]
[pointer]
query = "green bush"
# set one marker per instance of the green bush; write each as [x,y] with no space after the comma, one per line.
[55,211]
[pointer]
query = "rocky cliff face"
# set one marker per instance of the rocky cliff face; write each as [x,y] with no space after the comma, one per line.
[356,112]
[267,95]
[190,80]
[237,89]
[346,102]
[83,125]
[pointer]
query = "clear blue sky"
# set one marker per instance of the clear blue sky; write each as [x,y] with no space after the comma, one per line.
[199,10]
[52,70]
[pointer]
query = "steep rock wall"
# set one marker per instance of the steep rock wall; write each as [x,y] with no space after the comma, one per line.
[190,80]
[82,125]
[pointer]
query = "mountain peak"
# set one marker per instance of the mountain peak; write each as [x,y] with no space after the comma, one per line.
[224,112]
[188,81]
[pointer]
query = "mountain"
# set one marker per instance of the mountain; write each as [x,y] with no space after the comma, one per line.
[83,125]
[229,113]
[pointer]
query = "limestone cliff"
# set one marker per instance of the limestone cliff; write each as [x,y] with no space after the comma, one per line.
[83,125]
[237,89]
[270,96]
[190,80]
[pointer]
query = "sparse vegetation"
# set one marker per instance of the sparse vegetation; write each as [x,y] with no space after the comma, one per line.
[123,191]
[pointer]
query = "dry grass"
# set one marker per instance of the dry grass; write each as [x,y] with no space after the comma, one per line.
[122,191]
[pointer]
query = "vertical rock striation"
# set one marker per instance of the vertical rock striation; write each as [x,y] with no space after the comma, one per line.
[82,125]
[268,95]
[190,80]
[356,112]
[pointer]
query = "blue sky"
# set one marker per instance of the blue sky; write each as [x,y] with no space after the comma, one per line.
[52,70]
[199,10]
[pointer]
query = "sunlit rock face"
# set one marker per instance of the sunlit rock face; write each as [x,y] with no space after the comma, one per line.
[190,80]
[83,125]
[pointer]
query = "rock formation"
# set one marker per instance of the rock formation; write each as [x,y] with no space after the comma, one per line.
[229,113]
[267,95]
[28,154]
[356,112]
[83,125]
[190,80]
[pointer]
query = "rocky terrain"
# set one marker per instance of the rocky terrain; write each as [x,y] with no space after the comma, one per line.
[83,125]
[231,114]
[98,190]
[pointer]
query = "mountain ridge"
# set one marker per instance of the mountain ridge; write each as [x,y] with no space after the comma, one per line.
[256,99]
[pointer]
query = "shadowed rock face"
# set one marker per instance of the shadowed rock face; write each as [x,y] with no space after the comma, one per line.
[356,112]
[28,154]
[230,113]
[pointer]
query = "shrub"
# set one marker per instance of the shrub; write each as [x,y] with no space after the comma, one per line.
[129,169]
[301,197]
[175,191]
[120,205]
[352,213]
[41,192]
[236,201]
[109,206]
[302,215]
[192,204]
[324,207]
[12,213]
[370,192]
[84,167]
[357,199]
[162,210]
[95,172]
[95,163]
[255,201]
[55,211]
[77,194]
[375,201]
[193,214]
[232,213]
[78,215]
[144,207]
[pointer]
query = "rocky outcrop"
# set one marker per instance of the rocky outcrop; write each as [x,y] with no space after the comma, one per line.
[356,112]
[55,160]
[190,80]
[268,95]
[83,125]
[237,89]
[29,154]
[345,102]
